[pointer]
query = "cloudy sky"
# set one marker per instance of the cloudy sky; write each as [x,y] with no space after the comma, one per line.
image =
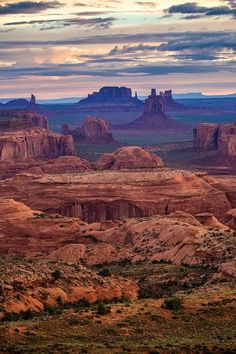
[63,48]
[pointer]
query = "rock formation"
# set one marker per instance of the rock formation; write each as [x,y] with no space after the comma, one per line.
[93,131]
[170,105]
[119,194]
[132,157]
[154,117]
[33,144]
[15,119]
[219,137]
[178,238]
[111,96]
[33,106]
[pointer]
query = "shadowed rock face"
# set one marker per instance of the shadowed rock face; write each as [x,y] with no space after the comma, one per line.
[16,119]
[170,104]
[34,143]
[93,131]
[154,117]
[111,95]
[128,158]
[219,137]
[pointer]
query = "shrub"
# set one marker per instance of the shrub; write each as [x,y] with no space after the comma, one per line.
[73,321]
[103,309]
[105,272]
[173,303]
[56,274]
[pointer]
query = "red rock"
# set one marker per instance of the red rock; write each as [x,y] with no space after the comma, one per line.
[154,117]
[128,158]
[34,143]
[16,119]
[93,131]
[206,136]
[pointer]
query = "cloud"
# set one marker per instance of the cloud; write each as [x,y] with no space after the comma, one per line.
[193,10]
[146,3]
[95,22]
[28,7]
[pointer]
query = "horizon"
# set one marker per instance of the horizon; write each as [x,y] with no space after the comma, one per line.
[71,49]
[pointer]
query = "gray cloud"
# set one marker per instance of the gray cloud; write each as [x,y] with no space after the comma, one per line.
[193,10]
[28,7]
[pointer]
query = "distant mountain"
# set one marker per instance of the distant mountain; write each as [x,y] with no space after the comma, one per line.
[192,95]
[20,103]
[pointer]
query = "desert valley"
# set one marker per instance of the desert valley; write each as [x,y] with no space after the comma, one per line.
[110,247]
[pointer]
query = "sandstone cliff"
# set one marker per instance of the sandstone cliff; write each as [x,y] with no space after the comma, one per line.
[93,131]
[120,194]
[129,158]
[33,144]
[219,137]
[170,105]
[16,119]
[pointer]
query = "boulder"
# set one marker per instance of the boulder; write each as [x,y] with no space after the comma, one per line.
[129,158]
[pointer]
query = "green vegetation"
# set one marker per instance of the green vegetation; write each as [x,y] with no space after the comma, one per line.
[173,303]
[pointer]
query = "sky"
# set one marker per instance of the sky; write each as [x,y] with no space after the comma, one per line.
[59,48]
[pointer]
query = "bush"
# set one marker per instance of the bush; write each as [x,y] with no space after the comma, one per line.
[103,309]
[105,272]
[56,274]
[172,303]
[73,321]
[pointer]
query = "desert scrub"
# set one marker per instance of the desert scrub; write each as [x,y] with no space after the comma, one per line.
[172,303]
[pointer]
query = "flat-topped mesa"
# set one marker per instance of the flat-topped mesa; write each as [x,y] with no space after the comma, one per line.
[219,137]
[35,143]
[154,117]
[18,119]
[111,95]
[93,131]
[170,104]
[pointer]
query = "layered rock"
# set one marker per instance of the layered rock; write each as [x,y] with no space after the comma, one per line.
[219,137]
[15,119]
[154,117]
[111,96]
[178,238]
[41,290]
[93,131]
[132,157]
[114,195]
[33,144]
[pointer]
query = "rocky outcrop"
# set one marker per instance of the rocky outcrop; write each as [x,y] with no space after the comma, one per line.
[154,117]
[111,95]
[170,105]
[34,143]
[178,238]
[117,195]
[132,157]
[93,131]
[61,165]
[42,291]
[219,137]
[15,119]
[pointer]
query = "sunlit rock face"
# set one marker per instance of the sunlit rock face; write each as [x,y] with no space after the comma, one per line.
[34,143]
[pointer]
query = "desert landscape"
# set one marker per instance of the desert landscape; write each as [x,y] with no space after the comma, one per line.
[117,177]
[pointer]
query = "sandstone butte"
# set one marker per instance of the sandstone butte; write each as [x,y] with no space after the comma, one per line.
[93,131]
[218,137]
[18,119]
[122,194]
[178,238]
[34,143]
[154,116]
[128,158]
